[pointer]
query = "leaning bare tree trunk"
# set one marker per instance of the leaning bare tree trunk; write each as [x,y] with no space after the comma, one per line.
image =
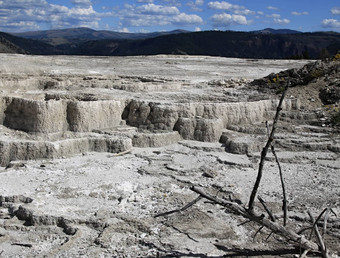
[265,151]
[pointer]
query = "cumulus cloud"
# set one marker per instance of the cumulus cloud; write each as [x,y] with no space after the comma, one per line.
[156,15]
[81,2]
[300,13]
[145,1]
[330,23]
[281,21]
[226,6]
[220,5]
[272,8]
[223,6]
[244,12]
[172,2]
[196,5]
[186,19]
[225,20]
[126,30]
[24,15]
[21,25]
[274,15]
[8,4]
[158,9]
[335,10]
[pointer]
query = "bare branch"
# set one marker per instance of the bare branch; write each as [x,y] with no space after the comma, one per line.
[244,222]
[284,201]
[264,204]
[271,233]
[265,151]
[22,244]
[304,254]
[325,223]
[334,213]
[258,231]
[179,210]
[261,220]
[318,235]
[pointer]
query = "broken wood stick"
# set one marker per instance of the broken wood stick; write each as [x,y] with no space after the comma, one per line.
[235,208]
[264,204]
[122,153]
[179,210]
[318,235]
[23,244]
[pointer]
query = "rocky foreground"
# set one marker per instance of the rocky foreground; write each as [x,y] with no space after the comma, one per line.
[93,148]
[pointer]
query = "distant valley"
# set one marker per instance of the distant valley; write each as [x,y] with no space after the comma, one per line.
[267,43]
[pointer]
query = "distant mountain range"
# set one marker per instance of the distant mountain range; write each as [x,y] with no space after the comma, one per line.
[267,43]
[80,35]
[273,31]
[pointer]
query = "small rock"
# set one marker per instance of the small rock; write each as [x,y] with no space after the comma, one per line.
[15,164]
[209,173]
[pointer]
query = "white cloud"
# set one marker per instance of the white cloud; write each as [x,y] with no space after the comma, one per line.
[272,8]
[260,13]
[32,14]
[223,6]
[81,11]
[330,23]
[126,30]
[274,15]
[245,12]
[172,2]
[281,21]
[81,2]
[225,20]
[21,26]
[220,5]
[300,13]
[145,1]
[336,10]
[156,15]
[186,19]
[196,5]
[58,8]
[143,31]
[158,9]
[198,29]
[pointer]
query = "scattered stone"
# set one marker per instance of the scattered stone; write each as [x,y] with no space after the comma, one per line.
[209,174]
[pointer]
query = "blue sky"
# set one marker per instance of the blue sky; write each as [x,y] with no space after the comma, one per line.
[165,15]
